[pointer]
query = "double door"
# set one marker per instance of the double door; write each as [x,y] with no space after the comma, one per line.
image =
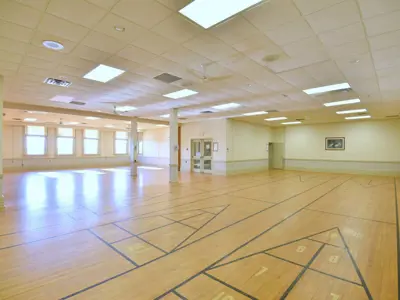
[202,155]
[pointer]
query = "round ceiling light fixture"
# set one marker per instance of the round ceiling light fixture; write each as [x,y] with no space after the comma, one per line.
[119,28]
[53,45]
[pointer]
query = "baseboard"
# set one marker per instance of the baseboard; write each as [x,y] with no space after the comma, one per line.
[231,167]
[349,167]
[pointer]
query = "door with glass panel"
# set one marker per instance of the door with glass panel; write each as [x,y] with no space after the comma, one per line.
[202,155]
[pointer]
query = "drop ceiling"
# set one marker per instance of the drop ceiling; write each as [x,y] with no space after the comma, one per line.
[262,58]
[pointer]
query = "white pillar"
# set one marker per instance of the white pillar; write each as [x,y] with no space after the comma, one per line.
[1,141]
[132,147]
[173,145]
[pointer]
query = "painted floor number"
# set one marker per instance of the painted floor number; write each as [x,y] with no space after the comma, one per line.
[301,249]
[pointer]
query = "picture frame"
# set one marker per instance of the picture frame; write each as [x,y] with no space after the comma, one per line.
[335,143]
[215,147]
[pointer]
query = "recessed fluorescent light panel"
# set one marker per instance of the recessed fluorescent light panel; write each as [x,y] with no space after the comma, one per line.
[226,106]
[161,125]
[71,123]
[30,120]
[164,116]
[358,117]
[291,123]
[92,118]
[62,99]
[343,102]
[328,88]
[181,94]
[37,112]
[276,119]
[125,108]
[103,73]
[353,111]
[256,113]
[109,126]
[207,13]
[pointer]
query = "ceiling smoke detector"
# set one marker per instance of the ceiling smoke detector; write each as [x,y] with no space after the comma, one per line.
[53,45]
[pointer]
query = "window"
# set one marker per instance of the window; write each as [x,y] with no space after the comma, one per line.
[65,141]
[35,140]
[140,143]
[91,142]
[121,142]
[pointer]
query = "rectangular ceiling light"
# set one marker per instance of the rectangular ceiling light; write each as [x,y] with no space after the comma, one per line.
[92,118]
[30,120]
[353,111]
[343,102]
[164,116]
[226,106]
[103,73]
[358,117]
[276,119]
[181,94]
[291,123]
[125,108]
[71,123]
[207,13]
[161,125]
[256,113]
[328,88]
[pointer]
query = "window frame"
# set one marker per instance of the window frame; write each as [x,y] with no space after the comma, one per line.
[45,136]
[73,137]
[121,139]
[90,138]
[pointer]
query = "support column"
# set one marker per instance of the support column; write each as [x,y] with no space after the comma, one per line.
[1,141]
[132,148]
[173,145]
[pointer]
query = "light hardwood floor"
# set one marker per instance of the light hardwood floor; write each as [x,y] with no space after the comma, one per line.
[100,234]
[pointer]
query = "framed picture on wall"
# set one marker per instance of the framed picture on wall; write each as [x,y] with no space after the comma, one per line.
[334,143]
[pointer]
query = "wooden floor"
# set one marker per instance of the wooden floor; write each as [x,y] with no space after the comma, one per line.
[99,234]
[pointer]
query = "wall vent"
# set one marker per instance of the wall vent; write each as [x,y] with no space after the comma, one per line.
[77,103]
[57,82]
[167,78]
[207,112]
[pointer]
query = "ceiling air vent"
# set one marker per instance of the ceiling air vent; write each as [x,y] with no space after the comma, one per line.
[182,119]
[272,111]
[207,112]
[77,103]
[300,119]
[332,93]
[393,116]
[167,78]
[58,82]
[17,119]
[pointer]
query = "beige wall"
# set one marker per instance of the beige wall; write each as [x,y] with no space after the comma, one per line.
[155,147]
[15,159]
[372,147]
[365,141]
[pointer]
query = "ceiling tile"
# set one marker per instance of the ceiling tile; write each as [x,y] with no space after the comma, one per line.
[147,71]
[136,54]
[290,32]
[12,46]
[10,56]
[234,30]
[327,19]
[299,78]
[77,11]
[177,28]
[387,57]
[343,35]
[6,65]
[121,63]
[325,73]
[153,43]
[41,74]
[131,32]
[103,42]
[305,48]
[38,4]
[38,63]
[168,66]
[372,8]
[385,40]
[88,53]
[364,69]
[210,47]
[79,63]
[67,30]
[186,58]
[17,13]
[146,13]
[272,14]
[15,32]
[175,5]
[352,49]
[310,6]
[44,53]
[39,37]
[383,23]
[68,70]
[107,4]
